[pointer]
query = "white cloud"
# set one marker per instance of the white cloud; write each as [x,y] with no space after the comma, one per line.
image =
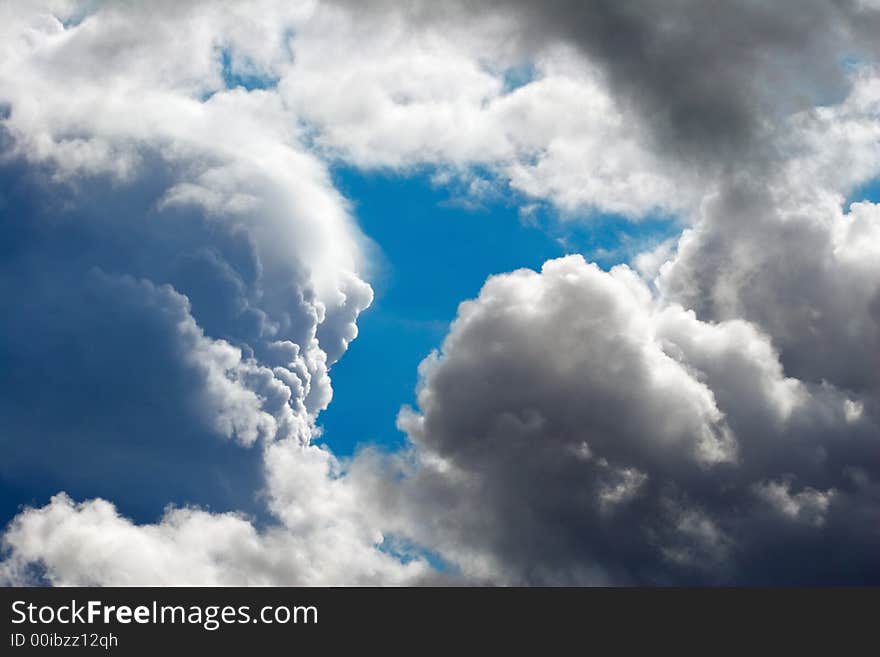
[808,503]
[202,225]
[89,543]
[716,424]
[408,95]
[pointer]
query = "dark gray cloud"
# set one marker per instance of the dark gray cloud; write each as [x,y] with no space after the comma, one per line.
[798,266]
[573,432]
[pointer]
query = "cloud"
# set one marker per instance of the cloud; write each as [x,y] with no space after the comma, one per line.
[417,94]
[573,430]
[706,79]
[179,275]
[322,540]
[787,249]
[626,109]
[183,274]
[523,452]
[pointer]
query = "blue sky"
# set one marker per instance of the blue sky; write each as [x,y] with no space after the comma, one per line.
[418,289]
[869,191]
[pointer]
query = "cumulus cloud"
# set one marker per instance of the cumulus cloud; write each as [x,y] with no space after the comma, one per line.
[183,275]
[322,538]
[705,78]
[179,275]
[793,251]
[769,302]
[805,271]
[414,96]
[574,430]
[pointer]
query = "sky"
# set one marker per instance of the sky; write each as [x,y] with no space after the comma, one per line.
[379,293]
[418,292]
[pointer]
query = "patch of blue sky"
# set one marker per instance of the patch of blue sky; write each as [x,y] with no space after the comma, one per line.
[76,15]
[435,250]
[240,72]
[405,551]
[868,191]
[519,76]
[850,63]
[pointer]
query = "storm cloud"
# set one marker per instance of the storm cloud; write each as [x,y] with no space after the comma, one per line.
[179,274]
[574,431]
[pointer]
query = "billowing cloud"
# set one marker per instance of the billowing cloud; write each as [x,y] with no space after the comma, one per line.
[789,251]
[708,79]
[542,123]
[322,537]
[573,430]
[180,274]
